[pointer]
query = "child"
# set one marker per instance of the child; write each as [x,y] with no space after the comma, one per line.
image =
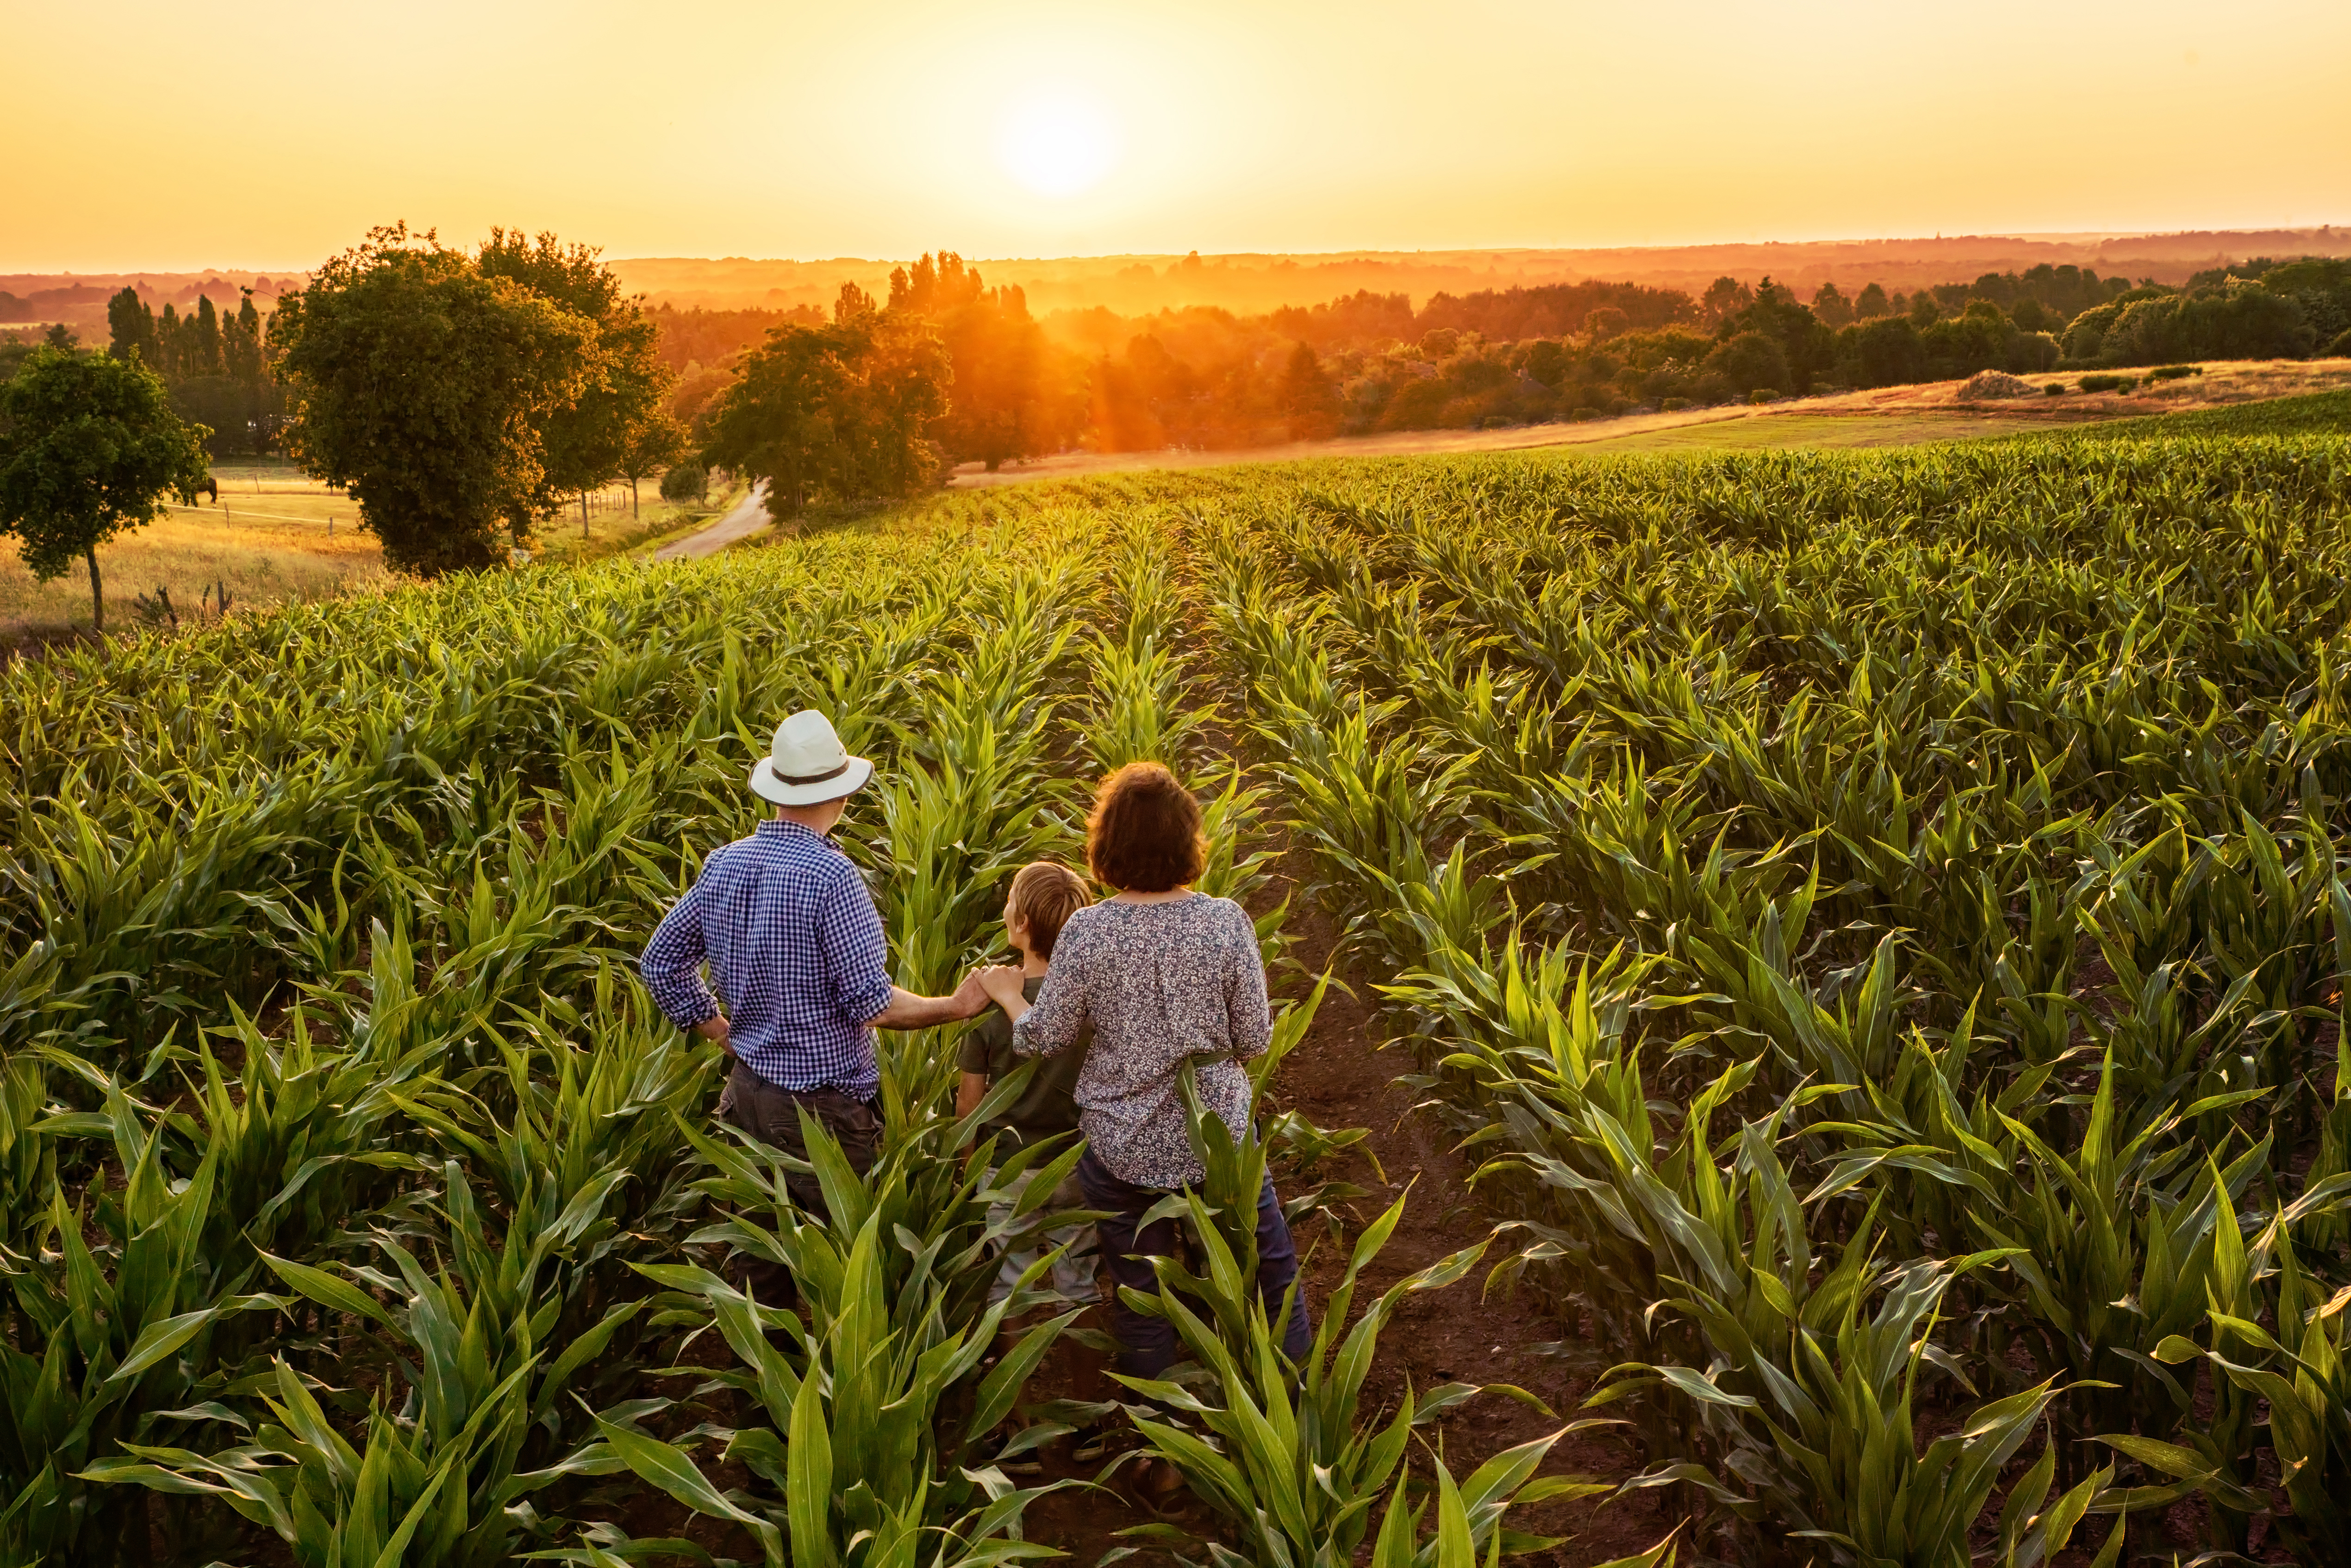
[1044,895]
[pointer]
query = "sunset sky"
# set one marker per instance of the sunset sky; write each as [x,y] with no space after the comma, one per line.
[150,135]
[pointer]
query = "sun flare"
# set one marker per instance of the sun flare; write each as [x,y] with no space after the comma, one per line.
[1058,144]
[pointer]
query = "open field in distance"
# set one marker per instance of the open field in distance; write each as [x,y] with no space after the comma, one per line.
[1884,416]
[268,540]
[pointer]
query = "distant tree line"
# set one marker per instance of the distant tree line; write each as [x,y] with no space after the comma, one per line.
[1203,377]
[2260,309]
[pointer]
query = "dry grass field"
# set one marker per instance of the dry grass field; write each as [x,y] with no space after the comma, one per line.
[275,536]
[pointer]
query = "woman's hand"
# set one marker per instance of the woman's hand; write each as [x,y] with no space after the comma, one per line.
[1003,984]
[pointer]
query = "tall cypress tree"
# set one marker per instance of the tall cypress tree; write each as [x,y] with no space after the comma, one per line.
[203,356]
[244,343]
[167,343]
[132,326]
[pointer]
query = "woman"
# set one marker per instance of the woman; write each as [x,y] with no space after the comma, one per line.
[1161,975]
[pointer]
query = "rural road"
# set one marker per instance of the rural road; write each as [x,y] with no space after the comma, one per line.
[748,516]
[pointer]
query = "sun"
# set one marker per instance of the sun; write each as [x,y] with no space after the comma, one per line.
[1057,144]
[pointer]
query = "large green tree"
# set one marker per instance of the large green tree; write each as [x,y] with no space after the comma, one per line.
[89,447]
[424,387]
[613,428]
[836,413]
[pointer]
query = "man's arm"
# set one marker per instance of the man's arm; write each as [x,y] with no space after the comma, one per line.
[671,968]
[850,929]
[907,1011]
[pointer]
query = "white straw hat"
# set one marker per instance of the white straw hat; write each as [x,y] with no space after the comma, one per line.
[808,764]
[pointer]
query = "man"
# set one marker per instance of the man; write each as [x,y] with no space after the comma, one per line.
[797,956]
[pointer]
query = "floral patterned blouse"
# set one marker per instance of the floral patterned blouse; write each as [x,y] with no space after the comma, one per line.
[1159,983]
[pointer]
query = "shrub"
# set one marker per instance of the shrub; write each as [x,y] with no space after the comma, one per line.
[686,482]
[2100,383]
[1763,395]
[1886,351]
[2174,372]
[2054,389]
[1673,405]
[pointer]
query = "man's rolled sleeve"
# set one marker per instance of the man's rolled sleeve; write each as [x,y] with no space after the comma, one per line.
[856,953]
[672,964]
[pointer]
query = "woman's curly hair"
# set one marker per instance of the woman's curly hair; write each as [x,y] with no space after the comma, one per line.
[1144,835]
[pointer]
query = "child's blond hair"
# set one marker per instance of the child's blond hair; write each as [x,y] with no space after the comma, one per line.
[1045,893]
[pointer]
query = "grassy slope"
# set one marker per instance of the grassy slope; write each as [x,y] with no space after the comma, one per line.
[1778,431]
[2317,414]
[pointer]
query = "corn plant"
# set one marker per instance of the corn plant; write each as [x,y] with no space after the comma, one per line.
[440,1477]
[1288,1456]
[112,1345]
[879,1417]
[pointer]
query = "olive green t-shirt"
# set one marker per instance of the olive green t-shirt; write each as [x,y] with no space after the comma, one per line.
[1048,1107]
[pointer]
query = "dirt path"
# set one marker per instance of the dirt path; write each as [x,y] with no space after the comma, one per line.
[745,518]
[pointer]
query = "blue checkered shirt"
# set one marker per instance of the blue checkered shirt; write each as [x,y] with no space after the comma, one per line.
[795,948]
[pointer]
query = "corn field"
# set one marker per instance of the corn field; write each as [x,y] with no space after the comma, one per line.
[1875,920]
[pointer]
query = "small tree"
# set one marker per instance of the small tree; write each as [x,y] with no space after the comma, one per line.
[688,481]
[1723,298]
[89,448]
[657,442]
[1750,360]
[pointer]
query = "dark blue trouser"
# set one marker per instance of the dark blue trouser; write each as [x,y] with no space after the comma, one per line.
[1148,1345]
